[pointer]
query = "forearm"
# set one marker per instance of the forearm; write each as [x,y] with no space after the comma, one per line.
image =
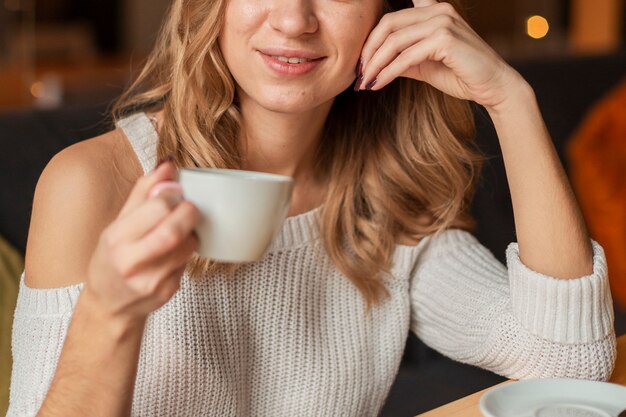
[96,372]
[551,232]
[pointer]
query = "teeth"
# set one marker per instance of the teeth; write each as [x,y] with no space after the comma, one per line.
[292,60]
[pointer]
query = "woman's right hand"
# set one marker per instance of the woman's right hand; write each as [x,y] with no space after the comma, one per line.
[141,256]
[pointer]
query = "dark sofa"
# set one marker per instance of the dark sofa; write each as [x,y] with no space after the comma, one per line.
[565,87]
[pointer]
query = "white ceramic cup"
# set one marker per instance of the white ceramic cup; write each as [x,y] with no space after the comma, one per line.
[241,210]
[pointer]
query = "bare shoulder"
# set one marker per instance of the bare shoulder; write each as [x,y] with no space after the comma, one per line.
[79,193]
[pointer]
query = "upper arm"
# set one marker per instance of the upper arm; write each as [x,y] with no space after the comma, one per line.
[76,197]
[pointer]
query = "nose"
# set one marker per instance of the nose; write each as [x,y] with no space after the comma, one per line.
[293,18]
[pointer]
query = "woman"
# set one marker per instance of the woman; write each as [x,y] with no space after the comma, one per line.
[373,246]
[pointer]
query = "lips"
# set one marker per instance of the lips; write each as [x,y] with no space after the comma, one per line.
[291,53]
[290,62]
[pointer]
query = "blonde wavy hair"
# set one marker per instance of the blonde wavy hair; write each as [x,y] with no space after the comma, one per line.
[397,163]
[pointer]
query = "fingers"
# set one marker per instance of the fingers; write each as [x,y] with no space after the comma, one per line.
[158,285]
[164,172]
[166,187]
[429,51]
[175,229]
[392,49]
[138,223]
[155,230]
[163,197]
[397,43]
[167,246]
[395,21]
[171,265]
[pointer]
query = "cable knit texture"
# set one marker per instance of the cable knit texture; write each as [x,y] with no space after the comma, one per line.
[289,335]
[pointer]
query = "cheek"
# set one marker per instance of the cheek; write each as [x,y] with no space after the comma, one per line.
[241,19]
[246,15]
[350,29]
[349,34]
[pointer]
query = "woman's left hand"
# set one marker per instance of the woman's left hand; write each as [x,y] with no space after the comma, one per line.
[432,43]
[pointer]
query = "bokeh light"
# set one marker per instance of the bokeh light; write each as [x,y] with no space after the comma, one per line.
[537,27]
[37,89]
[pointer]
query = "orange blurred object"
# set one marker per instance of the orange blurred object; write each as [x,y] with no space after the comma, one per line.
[85,83]
[597,154]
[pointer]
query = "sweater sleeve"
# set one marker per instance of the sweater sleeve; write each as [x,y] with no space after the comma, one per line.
[517,322]
[40,324]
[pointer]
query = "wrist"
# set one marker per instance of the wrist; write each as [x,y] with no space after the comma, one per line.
[519,96]
[98,365]
[116,327]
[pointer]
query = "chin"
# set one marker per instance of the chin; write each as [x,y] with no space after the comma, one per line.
[289,102]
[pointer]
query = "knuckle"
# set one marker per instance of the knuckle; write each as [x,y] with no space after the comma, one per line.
[444,35]
[446,20]
[171,235]
[447,8]
[394,38]
[124,267]
[385,22]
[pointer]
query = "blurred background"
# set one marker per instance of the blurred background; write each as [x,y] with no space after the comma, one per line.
[62,63]
[63,52]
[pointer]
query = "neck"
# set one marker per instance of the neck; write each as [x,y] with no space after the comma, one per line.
[282,143]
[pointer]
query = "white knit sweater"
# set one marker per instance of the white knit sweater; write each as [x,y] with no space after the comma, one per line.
[289,336]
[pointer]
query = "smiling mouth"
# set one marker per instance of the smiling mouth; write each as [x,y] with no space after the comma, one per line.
[293,60]
[291,66]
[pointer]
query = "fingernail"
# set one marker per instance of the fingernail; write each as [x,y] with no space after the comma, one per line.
[357,85]
[371,84]
[359,68]
[170,191]
[165,187]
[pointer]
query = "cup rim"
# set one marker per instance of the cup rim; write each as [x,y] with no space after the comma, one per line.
[238,174]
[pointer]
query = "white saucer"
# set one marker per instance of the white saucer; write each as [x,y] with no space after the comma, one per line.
[554,398]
